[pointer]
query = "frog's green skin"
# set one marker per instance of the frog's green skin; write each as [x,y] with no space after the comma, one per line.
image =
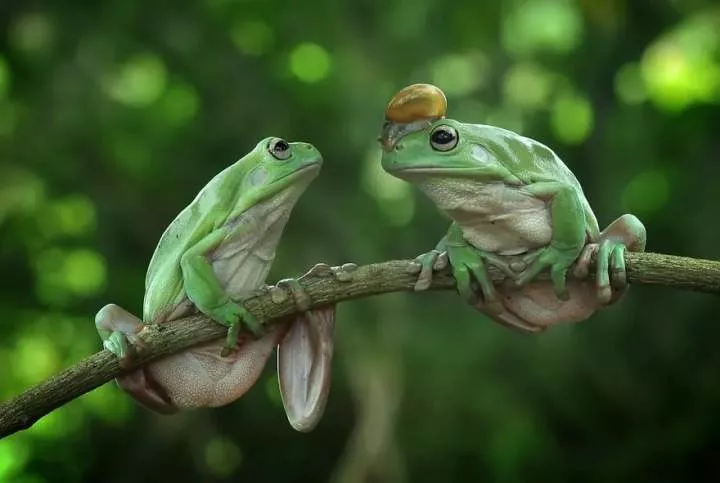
[514,204]
[217,252]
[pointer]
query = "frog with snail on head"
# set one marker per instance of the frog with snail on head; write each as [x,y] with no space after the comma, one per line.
[217,252]
[514,205]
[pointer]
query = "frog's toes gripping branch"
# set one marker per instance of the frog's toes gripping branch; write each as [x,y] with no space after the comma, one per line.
[429,262]
[119,330]
[304,360]
[625,233]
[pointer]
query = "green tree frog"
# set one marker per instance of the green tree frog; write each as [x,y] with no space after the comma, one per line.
[217,252]
[515,205]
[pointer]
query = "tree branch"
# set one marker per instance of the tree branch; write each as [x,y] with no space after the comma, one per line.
[367,280]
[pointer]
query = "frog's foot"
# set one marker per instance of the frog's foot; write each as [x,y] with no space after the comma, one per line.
[119,331]
[429,262]
[467,263]
[278,292]
[234,316]
[558,259]
[625,233]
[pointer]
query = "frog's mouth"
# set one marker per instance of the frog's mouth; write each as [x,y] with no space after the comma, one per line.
[430,170]
[309,171]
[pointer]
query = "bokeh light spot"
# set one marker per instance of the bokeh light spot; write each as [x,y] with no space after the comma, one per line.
[179,104]
[647,192]
[36,357]
[543,26]
[20,192]
[71,216]
[84,272]
[572,118]
[528,85]
[460,75]
[62,275]
[675,80]
[628,84]
[32,33]
[222,456]
[139,82]
[310,62]
[252,37]
[14,455]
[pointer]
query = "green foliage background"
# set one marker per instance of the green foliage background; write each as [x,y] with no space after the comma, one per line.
[114,114]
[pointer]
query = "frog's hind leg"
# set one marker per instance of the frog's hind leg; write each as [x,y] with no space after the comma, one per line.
[625,233]
[119,331]
[304,360]
[304,363]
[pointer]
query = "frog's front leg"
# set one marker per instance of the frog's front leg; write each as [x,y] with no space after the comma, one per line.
[568,235]
[467,263]
[305,353]
[625,233]
[119,331]
[204,290]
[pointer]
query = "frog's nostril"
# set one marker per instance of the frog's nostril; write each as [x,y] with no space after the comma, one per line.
[399,147]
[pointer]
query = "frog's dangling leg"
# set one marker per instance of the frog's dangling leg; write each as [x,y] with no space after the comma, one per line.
[625,233]
[119,331]
[304,360]
[508,319]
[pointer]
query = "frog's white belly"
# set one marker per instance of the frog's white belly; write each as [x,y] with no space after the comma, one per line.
[494,217]
[243,261]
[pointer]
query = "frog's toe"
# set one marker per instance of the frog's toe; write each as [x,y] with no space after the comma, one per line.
[300,296]
[602,271]
[118,330]
[532,271]
[462,282]
[581,270]
[118,344]
[558,274]
[618,278]
[427,263]
[241,317]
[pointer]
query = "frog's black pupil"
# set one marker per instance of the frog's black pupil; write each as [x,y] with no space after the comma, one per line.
[443,136]
[281,146]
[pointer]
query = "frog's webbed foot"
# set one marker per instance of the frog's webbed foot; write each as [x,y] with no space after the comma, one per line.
[119,331]
[305,353]
[625,233]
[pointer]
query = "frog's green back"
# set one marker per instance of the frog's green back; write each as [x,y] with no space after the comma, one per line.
[208,211]
[532,162]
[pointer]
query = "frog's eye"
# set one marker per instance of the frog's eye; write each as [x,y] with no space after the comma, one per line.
[279,148]
[443,138]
